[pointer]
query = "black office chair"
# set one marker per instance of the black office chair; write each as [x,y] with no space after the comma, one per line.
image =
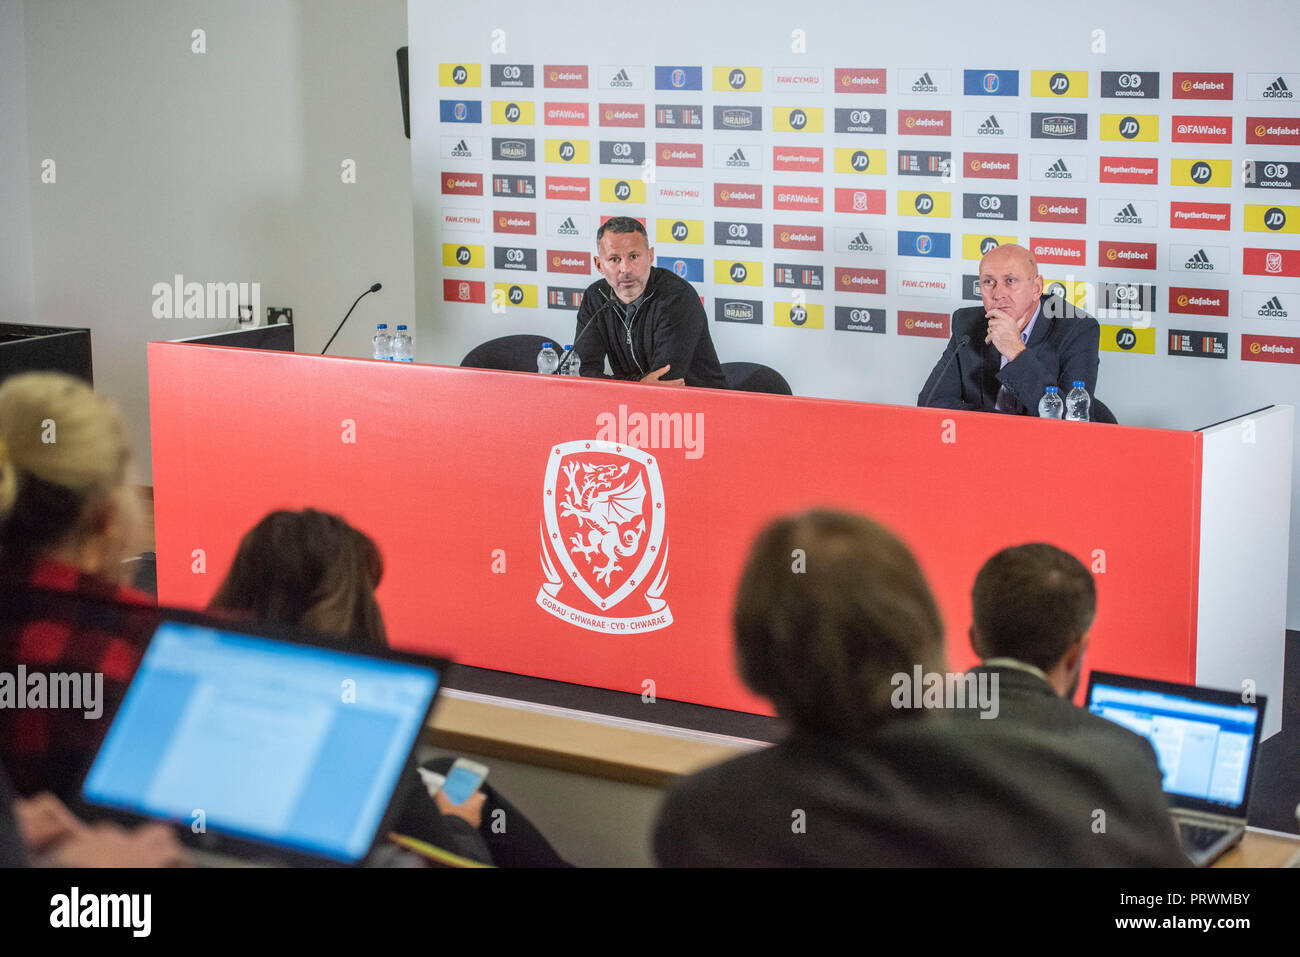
[510,353]
[754,377]
[1098,412]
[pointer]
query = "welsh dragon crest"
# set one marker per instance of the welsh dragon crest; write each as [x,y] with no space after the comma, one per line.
[604,524]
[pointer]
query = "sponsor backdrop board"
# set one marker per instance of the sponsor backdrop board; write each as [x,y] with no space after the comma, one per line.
[548,544]
[1150,157]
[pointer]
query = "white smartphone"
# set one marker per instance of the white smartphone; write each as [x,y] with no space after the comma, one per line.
[464,778]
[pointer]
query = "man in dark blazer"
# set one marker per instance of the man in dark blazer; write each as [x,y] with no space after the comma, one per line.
[1032,608]
[1004,353]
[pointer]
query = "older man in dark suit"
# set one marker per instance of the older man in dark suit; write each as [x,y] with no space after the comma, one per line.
[1005,353]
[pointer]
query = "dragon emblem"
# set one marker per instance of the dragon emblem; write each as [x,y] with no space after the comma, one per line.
[604,501]
[603,522]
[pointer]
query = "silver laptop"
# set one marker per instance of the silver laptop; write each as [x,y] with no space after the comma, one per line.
[1206,741]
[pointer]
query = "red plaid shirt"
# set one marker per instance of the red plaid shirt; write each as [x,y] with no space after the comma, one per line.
[60,619]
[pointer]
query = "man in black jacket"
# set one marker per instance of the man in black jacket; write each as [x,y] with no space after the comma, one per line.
[648,322]
[1003,354]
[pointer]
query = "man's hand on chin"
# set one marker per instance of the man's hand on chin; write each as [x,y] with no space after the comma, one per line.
[1004,332]
[654,378]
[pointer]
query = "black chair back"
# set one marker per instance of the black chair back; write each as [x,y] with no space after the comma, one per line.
[754,377]
[1100,412]
[510,353]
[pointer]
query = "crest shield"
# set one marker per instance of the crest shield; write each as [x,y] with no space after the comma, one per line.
[604,522]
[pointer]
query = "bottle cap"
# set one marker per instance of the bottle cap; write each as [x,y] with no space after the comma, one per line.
[568,347]
[1078,384]
[1051,389]
[383,325]
[400,328]
[546,345]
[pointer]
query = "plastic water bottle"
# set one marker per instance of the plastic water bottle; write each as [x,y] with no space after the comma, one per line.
[547,360]
[403,350]
[575,364]
[1077,403]
[383,342]
[1049,406]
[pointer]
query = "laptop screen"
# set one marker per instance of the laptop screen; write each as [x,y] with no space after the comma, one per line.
[292,745]
[1205,740]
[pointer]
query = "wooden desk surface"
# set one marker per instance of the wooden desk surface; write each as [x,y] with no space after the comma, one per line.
[636,752]
[1261,849]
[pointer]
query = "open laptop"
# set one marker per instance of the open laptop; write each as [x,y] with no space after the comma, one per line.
[263,745]
[1207,743]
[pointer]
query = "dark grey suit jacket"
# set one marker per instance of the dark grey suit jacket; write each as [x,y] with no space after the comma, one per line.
[929,791]
[1061,349]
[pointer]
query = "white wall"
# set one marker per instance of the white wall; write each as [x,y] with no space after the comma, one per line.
[222,166]
[17,302]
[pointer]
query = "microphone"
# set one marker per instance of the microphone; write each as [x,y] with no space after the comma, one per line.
[582,332]
[962,343]
[375,288]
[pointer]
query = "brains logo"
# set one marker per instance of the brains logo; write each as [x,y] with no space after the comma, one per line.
[611,513]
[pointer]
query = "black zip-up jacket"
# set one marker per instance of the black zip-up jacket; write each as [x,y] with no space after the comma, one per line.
[669,328]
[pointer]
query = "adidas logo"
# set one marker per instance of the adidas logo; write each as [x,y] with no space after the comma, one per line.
[1128,215]
[461,149]
[924,84]
[620,79]
[567,228]
[861,244]
[1272,310]
[1278,90]
[1058,170]
[991,127]
[738,158]
[1198,260]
